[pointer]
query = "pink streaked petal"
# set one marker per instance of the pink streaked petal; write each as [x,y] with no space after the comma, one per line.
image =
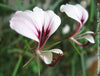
[50,25]
[78,43]
[76,12]
[52,21]
[38,17]
[83,11]
[90,38]
[22,24]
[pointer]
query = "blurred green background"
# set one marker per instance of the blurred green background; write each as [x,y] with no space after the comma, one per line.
[16,50]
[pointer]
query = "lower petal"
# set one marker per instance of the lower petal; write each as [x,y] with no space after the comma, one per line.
[47,56]
[89,38]
[78,43]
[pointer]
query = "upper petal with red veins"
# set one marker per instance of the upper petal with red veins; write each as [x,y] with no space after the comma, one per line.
[37,24]
[76,12]
[50,25]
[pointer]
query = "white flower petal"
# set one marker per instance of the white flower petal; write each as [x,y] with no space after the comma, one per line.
[52,21]
[22,24]
[83,11]
[38,17]
[76,12]
[58,51]
[46,56]
[90,38]
[89,32]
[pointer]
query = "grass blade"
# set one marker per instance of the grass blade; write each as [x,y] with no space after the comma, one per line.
[83,65]
[17,66]
[7,7]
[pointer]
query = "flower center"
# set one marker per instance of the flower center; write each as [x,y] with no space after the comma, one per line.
[43,36]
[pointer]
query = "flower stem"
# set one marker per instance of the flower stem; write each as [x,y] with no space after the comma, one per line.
[55,4]
[83,64]
[75,47]
[98,39]
[38,63]
[73,64]
[28,61]
[17,66]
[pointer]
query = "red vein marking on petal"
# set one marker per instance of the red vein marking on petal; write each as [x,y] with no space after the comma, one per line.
[82,20]
[43,36]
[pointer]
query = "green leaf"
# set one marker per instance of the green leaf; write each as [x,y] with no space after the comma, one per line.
[19,5]
[92,10]
[19,51]
[30,6]
[55,4]
[7,7]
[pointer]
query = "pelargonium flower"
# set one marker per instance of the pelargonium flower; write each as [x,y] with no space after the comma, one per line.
[38,25]
[78,13]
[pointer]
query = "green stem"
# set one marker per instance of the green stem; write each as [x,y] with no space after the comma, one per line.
[55,4]
[30,6]
[38,63]
[73,64]
[28,61]
[75,47]
[19,5]
[98,40]
[83,64]
[92,10]
[17,66]
[7,7]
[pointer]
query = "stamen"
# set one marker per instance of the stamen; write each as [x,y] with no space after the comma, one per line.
[93,34]
[63,54]
[99,31]
[43,36]
[57,59]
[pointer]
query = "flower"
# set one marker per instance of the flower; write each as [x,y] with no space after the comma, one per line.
[78,13]
[38,25]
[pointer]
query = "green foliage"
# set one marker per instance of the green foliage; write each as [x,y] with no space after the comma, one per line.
[15,50]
